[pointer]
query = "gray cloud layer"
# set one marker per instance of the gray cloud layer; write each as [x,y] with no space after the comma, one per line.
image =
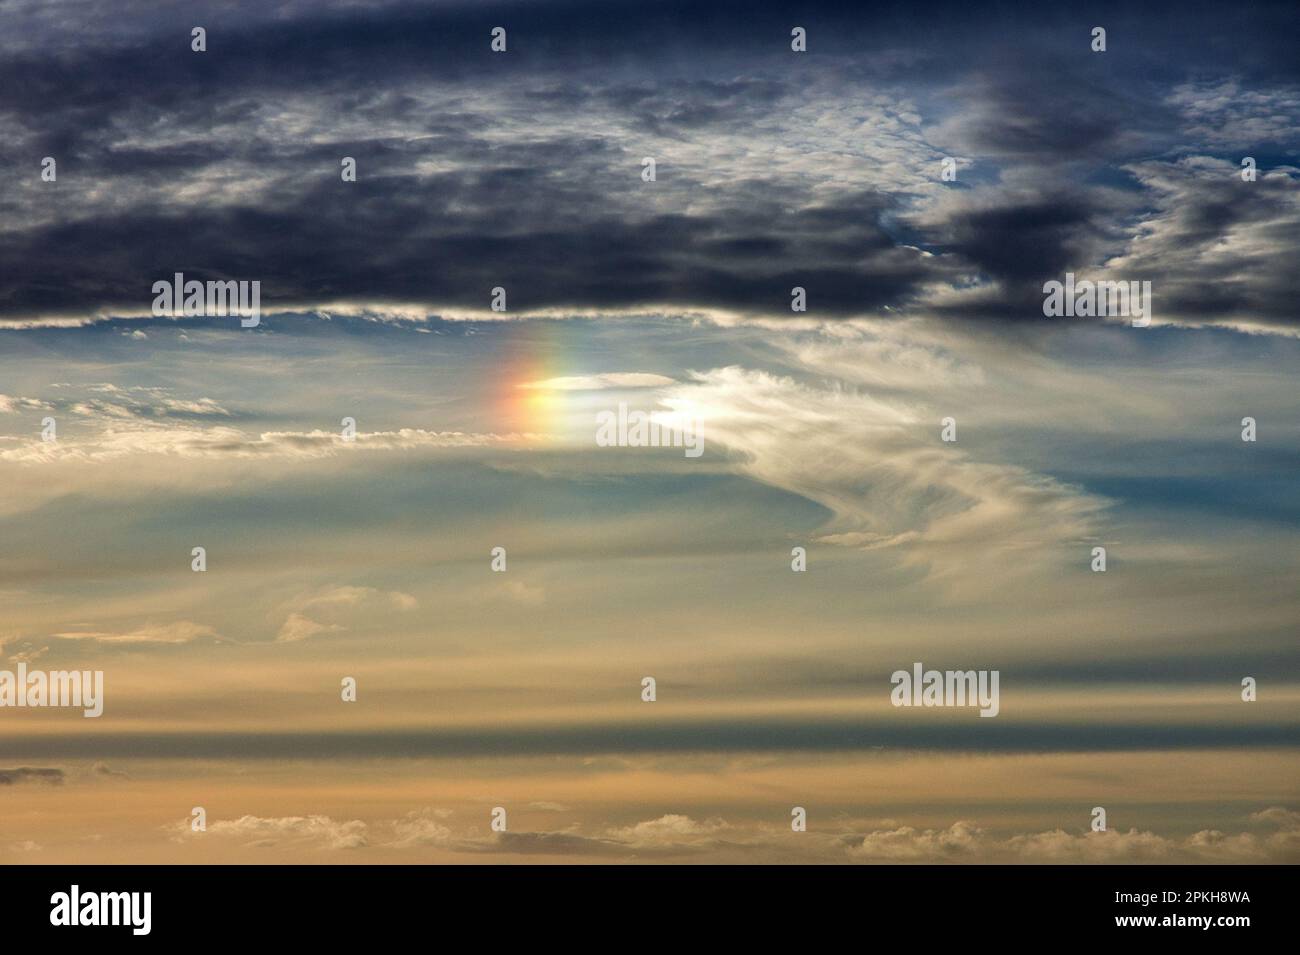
[683,736]
[523,169]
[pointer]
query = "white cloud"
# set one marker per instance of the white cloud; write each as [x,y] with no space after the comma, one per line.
[182,631]
[418,829]
[319,831]
[10,404]
[1221,113]
[300,627]
[965,841]
[217,442]
[669,830]
[336,604]
[602,381]
[880,468]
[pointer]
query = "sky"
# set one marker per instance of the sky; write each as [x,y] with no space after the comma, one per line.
[512,679]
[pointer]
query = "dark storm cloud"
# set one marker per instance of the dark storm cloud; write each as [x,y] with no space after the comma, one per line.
[1044,110]
[523,170]
[1022,239]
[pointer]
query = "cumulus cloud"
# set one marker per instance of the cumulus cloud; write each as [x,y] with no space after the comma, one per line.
[11,404]
[1278,816]
[421,828]
[316,831]
[967,842]
[673,829]
[677,834]
[111,402]
[668,835]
